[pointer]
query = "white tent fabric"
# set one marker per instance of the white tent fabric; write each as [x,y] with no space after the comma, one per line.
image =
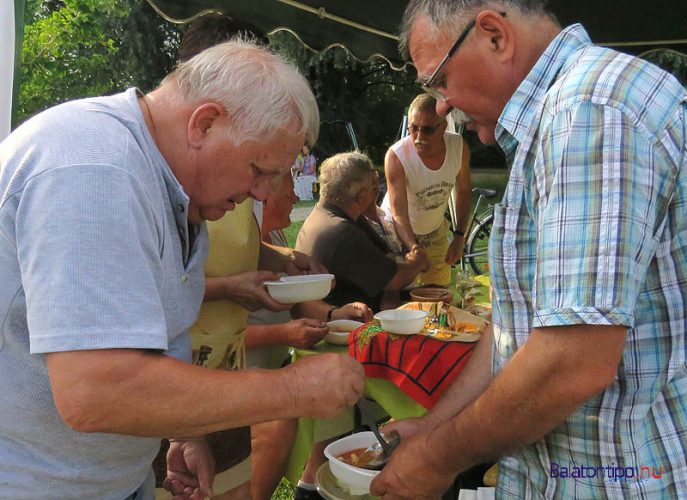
[6,66]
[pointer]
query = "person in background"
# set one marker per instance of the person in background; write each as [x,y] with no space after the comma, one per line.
[337,235]
[269,336]
[421,170]
[102,208]
[305,178]
[309,162]
[584,379]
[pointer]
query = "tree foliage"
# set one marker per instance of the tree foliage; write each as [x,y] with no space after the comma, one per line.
[370,95]
[79,48]
[671,61]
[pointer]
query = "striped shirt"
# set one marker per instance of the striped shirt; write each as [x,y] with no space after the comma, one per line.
[593,230]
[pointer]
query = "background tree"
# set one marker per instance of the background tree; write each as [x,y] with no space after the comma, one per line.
[80,48]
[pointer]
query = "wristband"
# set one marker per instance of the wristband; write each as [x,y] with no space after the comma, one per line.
[458,232]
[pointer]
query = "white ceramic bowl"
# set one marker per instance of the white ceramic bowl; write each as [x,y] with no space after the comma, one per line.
[357,480]
[294,289]
[402,321]
[339,330]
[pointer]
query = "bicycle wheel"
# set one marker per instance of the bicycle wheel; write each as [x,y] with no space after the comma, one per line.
[478,241]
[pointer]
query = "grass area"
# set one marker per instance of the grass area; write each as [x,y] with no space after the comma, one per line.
[284,491]
[291,232]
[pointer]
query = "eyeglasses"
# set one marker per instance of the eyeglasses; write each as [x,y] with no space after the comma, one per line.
[428,85]
[426,129]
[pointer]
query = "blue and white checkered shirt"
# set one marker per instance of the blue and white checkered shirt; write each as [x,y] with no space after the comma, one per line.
[593,230]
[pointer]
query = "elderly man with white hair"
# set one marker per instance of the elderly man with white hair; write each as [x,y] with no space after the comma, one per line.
[581,390]
[102,203]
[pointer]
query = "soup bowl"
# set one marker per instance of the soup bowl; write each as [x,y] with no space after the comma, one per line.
[356,479]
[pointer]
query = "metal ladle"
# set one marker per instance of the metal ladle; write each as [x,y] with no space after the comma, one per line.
[385,445]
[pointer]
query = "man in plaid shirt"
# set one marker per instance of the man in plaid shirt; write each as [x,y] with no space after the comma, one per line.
[587,388]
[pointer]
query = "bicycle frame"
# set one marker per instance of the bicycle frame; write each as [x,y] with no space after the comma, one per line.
[478,220]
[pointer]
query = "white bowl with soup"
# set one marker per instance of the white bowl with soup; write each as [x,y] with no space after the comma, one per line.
[342,453]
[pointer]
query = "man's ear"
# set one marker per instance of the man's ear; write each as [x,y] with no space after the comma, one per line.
[203,119]
[498,31]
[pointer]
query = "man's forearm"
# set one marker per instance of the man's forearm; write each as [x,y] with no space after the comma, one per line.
[264,335]
[537,390]
[404,231]
[470,384]
[135,392]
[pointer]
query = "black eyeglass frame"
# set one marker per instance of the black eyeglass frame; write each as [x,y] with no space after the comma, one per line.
[428,84]
[425,129]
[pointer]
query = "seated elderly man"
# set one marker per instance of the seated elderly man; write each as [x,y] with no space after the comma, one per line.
[338,236]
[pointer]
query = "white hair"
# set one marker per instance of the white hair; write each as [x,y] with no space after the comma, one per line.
[262,93]
[343,176]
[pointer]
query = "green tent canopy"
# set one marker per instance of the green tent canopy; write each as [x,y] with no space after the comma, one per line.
[369,28]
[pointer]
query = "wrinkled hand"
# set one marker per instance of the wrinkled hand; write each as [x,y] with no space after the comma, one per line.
[323,385]
[418,254]
[248,290]
[305,332]
[455,250]
[357,311]
[304,264]
[413,459]
[190,469]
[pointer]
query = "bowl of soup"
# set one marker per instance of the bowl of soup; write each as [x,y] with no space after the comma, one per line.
[345,452]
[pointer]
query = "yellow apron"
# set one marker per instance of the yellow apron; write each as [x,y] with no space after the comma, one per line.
[217,336]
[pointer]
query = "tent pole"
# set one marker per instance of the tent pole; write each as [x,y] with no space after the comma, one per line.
[9,18]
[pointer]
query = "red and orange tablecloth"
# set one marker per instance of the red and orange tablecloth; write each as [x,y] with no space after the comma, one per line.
[421,366]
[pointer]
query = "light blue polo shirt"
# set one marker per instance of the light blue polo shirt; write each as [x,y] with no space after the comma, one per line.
[94,254]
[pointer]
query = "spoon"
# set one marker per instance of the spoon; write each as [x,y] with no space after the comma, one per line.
[382,449]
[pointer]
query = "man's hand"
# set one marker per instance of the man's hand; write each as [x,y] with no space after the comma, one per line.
[455,250]
[304,264]
[408,427]
[418,255]
[305,332]
[190,469]
[323,385]
[246,289]
[413,459]
[357,311]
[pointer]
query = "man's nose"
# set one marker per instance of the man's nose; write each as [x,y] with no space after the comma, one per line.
[443,108]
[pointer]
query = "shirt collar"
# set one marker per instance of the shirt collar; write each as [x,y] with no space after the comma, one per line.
[339,212]
[520,111]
